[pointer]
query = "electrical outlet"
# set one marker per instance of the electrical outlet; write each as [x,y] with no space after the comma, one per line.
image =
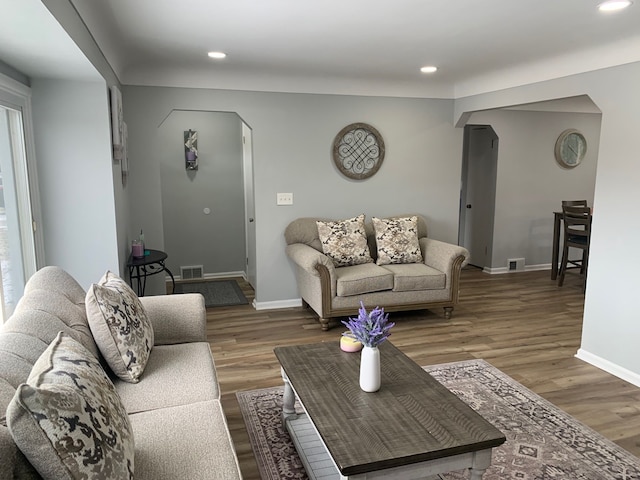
[284,199]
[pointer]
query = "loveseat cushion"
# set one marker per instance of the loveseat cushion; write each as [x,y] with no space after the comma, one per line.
[397,240]
[68,419]
[345,241]
[175,375]
[416,276]
[360,279]
[120,326]
[184,442]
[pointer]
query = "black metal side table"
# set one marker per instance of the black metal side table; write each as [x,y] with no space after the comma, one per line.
[142,267]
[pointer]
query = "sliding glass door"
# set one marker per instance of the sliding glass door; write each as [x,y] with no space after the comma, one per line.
[17,242]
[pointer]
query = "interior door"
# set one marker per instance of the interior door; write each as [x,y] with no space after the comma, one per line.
[250,230]
[478,193]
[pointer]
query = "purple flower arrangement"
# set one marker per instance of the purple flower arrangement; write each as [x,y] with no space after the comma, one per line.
[370,329]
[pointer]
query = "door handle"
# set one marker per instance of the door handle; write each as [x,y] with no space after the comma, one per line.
[468,205]
[251,220]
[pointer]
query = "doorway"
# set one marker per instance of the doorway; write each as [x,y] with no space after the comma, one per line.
[478,193]
[205,211]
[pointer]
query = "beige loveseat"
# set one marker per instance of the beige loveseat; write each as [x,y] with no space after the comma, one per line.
[179,428]
[333,291]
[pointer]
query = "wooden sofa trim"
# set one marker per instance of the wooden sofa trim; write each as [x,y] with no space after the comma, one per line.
[329,312]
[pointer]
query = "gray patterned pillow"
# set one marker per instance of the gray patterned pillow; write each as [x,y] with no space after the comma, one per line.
[68,419]
[345,242]
[397,240]
[120,326]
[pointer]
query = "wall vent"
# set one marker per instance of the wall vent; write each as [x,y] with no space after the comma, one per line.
[191,272]
[516,264]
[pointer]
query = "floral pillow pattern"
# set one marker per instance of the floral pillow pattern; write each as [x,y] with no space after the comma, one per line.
[68,419]
[345,242]
[120,326]
[397,240]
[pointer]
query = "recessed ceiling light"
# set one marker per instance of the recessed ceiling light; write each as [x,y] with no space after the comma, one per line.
[429,69]
[613,5]
[217,55]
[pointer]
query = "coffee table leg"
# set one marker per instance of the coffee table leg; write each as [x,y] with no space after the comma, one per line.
[288,399]
[481,461]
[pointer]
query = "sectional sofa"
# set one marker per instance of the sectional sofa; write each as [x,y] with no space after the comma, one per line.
[165,419]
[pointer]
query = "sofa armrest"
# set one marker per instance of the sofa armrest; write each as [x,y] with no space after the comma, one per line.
[177,318]
[442,255]
[308,258]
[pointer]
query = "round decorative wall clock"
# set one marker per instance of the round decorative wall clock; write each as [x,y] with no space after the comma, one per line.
[571,147]
[358,151]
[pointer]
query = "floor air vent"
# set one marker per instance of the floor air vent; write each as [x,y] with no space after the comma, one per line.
[516,264]
[192,272]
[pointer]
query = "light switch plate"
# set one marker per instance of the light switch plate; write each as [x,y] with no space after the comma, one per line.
[284,199]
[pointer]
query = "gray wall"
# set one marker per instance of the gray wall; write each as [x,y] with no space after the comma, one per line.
[191,237]
[73,153]
[611,329]
[292,138]
[65,13]
[530,182]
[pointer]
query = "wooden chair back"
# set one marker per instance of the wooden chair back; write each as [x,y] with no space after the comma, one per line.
[574,203]
[577,225]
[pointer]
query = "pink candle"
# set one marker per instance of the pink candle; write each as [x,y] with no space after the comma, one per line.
[137,250]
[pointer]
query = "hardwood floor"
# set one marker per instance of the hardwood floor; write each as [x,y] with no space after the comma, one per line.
[522,323]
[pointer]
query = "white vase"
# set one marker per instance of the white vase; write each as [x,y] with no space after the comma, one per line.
[370,369]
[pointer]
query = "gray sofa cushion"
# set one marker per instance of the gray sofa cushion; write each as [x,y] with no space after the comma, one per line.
[68,419]
[53,301]
[345,241]
[210,455]
[305,230]
[416,276]
[359,279]
[174,375]
[397,240]
[120,326]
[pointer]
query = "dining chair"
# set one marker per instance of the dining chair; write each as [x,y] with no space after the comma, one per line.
[574,203]
[577,234]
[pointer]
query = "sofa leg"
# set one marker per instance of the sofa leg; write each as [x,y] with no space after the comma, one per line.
[324,323]
[447,312]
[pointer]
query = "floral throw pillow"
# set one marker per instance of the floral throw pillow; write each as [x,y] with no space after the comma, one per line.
[397,240]
[68,419]
[120,326]
[345,242]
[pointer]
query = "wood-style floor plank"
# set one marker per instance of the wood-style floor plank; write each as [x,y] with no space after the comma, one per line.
[522,323]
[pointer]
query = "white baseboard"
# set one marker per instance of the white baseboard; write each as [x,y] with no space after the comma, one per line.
[609,367]
[294,302]
[527,268]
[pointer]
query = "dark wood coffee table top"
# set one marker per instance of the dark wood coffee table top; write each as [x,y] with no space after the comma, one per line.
[412,418]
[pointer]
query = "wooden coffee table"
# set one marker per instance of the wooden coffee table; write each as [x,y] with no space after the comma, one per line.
[413,427]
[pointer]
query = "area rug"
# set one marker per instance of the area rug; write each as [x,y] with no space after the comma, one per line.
[217,293]
[543,442]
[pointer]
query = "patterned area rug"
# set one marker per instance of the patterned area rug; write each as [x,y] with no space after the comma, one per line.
[542,441]
[217,293]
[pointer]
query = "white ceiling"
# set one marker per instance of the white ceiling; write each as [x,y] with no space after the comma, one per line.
[370,47]
[34,43]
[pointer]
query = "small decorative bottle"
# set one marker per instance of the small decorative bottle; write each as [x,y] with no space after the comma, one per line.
[141,239]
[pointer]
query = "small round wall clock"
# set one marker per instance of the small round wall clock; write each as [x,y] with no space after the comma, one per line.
[571,147]
[358,151]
